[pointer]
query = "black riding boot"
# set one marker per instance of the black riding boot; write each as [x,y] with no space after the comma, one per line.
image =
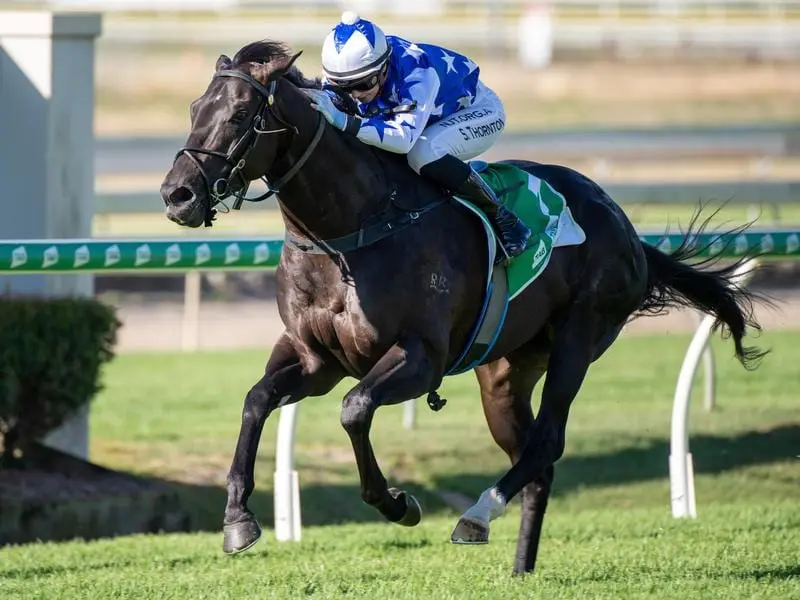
[459,177]
[513,232]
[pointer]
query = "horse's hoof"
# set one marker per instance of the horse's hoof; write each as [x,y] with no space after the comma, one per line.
[413,514]
[470,531]
[240,536]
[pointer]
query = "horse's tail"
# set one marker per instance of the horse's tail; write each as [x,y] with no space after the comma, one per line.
[714,291]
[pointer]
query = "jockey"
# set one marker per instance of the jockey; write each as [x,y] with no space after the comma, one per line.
[423,101]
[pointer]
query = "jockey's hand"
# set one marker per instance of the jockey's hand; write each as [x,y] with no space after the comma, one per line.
[321,101]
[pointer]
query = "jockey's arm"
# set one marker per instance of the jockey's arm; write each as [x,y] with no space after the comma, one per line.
[401,131]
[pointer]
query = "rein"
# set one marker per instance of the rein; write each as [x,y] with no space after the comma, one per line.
[388,222]
[237,156]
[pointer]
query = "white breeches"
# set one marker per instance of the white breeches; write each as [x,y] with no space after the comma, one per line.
[465,134]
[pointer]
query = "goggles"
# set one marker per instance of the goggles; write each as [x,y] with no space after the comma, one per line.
[359,85]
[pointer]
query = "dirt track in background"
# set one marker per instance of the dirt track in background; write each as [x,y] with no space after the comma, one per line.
[255,323]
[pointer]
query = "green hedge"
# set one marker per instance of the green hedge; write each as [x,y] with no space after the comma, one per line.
[51,351]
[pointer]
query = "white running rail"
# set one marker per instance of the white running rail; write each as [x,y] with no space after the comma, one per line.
[681,467]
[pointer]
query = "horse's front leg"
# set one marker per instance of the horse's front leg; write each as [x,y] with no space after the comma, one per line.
[409,369]
[291,374]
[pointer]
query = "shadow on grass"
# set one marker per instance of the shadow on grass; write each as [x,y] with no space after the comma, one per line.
[711,454]
[320,504]
[777,573]
[328,504]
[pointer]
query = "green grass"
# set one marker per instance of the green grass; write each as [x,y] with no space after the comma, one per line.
[735,552]
[609,533]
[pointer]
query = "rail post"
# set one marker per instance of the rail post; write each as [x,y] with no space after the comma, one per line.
[47,152]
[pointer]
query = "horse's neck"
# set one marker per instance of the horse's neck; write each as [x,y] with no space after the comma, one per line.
[340,184]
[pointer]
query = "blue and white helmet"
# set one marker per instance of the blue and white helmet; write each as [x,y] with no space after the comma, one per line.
[354,49]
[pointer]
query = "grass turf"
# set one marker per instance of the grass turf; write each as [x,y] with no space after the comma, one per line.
[608,534]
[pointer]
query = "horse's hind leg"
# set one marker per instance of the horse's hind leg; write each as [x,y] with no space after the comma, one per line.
[290,376]
[579,339]
[506,388]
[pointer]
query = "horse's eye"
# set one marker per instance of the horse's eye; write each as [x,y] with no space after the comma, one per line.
[239,116]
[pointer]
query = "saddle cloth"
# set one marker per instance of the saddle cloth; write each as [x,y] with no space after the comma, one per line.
[544,210]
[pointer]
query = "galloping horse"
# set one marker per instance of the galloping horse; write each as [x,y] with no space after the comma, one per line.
[386,276]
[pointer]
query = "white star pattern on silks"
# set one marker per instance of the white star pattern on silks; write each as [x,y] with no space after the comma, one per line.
[414,51]
[437,110]
[448,59]
[393,97]
[381,126]
[465,101]
[471,66]
[404,120]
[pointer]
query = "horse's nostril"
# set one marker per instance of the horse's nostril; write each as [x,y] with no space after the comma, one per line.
[181,195]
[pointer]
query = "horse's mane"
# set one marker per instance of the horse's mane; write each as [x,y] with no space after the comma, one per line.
[276,55]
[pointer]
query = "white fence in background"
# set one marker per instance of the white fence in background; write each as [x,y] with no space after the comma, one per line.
[755,29]
[428,7]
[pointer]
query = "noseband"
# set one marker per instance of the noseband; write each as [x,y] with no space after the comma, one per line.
[236,158]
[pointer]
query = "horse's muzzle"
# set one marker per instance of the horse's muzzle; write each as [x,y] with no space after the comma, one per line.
[180,195]
[183,206]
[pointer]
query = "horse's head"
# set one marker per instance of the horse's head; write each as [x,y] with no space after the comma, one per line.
[238,130]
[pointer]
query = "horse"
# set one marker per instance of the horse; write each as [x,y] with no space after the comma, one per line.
[383,276]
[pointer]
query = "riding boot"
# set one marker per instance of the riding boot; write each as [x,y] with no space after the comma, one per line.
[513,232]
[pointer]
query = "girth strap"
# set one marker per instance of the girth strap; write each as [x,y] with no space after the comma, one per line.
[487,329]
[396,220]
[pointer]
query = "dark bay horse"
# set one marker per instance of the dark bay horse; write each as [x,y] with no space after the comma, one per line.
[394,306]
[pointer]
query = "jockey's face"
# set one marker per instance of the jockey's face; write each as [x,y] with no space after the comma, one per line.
[366,96]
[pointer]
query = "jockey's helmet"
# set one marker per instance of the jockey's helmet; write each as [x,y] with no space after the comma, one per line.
[354,52]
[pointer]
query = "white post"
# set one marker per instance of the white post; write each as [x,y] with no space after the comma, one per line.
[710,379]
[709,374]
[681,469]
[410,413]
[190,327]
[681,472]
[535,37]
[47,151]
[285,481]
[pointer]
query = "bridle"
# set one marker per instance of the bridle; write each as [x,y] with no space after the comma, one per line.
[236,158]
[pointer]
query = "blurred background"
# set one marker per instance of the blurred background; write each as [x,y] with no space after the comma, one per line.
[666,102]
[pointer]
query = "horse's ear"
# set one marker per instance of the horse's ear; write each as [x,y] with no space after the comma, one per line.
[263,72]
[223,62]
[285,68]
[291,60]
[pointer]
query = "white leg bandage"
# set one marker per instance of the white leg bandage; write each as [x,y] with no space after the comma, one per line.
[489,506]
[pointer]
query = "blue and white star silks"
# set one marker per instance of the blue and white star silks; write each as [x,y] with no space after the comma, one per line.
[410,49]
[345,31]
[449,59]
[439,81]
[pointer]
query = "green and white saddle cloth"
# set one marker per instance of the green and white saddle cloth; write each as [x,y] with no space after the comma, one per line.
[544,210]
[541,208]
